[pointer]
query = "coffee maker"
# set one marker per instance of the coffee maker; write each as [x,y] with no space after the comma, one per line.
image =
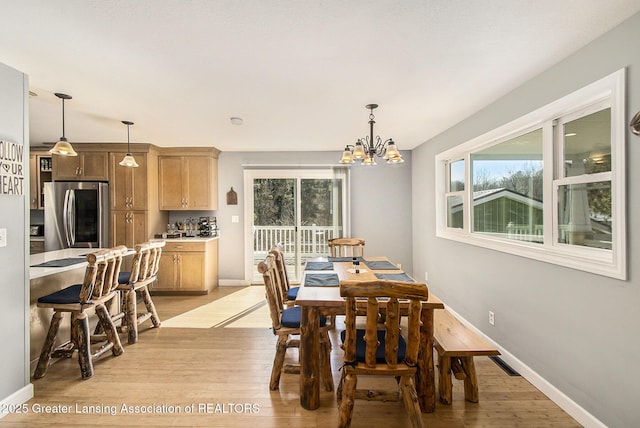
[208,226]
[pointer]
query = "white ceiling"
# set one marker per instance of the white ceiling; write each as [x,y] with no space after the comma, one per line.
[298,72]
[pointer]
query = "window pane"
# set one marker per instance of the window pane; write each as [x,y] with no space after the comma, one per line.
[507,188]
[321,215]
[456,176]
[454,212]
[584,214]
[587,144]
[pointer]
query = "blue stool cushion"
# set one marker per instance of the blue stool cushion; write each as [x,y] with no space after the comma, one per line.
[292,293]
[361,346]
[67,295]
[123,277]
[291,317]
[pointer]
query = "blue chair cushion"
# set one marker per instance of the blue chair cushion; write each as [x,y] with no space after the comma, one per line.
[291,317]
[361,346]
[123,277]
[69,295]
[292,293]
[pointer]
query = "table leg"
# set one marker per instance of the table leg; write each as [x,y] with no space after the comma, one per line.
[309,358]
[425,375]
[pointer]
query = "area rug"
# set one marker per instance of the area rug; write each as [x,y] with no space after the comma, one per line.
[221,312]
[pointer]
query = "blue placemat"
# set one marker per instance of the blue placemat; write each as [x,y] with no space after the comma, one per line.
[62,262]
[319,266]
[395,277]
[344,259]
[321,280]
[381,265]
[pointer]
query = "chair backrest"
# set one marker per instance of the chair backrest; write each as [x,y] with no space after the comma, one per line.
[146,261]
[101,274]
[346,247]
[281,268]
[273,295]
[377,293]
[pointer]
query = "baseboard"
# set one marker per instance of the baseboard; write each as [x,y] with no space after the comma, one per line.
[577,412]
[19,397]
[233,282]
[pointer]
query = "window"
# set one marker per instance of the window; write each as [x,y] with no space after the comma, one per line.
[549,185]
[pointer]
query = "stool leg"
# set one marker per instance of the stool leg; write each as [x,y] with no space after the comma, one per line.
[83,343]
[131,315]
[151,308]
[47,347]
[471,381]
[109,329]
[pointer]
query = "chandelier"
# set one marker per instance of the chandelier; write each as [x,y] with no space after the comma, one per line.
[367,148]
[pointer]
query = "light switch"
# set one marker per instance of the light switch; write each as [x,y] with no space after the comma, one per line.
[3,237]
[235,219]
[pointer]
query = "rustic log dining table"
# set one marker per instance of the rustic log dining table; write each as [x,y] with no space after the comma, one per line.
[314,297]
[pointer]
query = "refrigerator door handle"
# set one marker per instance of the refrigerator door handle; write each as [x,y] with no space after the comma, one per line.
[72,217]
[67,217]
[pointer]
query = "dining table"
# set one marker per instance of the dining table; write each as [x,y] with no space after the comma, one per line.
[320,293]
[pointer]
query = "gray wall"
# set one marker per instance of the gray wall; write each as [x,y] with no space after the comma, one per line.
[380,195]
[14,304]
[577,330]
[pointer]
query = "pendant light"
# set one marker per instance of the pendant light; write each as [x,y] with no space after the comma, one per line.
[128,161]
[62,147]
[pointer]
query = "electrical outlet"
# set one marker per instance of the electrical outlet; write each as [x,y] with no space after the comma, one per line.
[426,276]
[492,318]
[3,237]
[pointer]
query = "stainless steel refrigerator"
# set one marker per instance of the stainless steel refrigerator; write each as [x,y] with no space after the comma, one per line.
[76,215]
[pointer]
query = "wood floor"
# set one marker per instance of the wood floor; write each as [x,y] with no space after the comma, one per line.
[219,377]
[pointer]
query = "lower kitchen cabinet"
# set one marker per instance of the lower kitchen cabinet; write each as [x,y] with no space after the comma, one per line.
[188,266]
[128,228]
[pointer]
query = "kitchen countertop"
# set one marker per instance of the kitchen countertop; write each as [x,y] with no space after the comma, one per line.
[40,272]
[194,239]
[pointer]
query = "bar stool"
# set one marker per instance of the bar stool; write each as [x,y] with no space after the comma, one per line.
[144,271]
[96,291]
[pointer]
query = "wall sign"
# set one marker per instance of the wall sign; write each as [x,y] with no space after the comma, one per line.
[11,168]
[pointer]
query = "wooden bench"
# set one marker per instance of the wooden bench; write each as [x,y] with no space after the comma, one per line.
[456,346]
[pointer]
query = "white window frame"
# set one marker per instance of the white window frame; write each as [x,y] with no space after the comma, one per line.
[609,91]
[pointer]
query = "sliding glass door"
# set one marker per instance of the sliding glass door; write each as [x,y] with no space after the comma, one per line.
[299,209]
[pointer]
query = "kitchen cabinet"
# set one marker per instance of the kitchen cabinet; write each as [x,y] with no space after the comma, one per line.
[39,173]
[87,166]
[135,217]
[129,228]
[188,182]
[36,246]
[128,186]
[188,266]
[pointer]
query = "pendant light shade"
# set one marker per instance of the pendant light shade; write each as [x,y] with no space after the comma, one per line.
[128,161]
[63,147]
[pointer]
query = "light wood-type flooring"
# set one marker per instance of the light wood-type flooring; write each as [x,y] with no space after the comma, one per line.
[218,377]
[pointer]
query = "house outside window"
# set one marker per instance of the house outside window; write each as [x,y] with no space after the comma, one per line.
[549,185]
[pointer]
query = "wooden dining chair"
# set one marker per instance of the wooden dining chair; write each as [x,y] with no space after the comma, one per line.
[288,293]
[376,352]
[346,247]
[286,323]
[144,272]
[97,290]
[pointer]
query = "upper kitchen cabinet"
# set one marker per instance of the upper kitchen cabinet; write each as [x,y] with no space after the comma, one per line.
[189,181]
[87,166]
[129,186]
[39,173]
